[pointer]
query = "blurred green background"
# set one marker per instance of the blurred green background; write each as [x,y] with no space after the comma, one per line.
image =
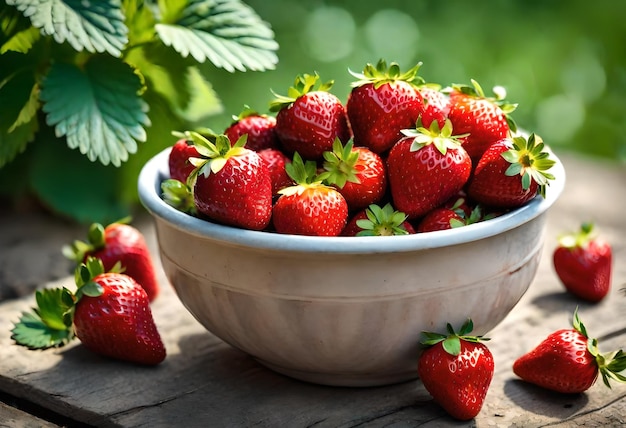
[564,62]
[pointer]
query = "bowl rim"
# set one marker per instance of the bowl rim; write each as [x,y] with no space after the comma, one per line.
[156,169]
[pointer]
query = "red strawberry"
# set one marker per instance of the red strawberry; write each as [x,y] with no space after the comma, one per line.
[233,185]
[309,207]
[377,221]
[178,159]
[449,217]
[357,172]
[456,369]
[276,161]
[485,119]
[118,243]
[511,172]
[425,169]
[109,313]
[383,101]
[568,361]
[436,105]
[258,127]
[582,262]
[309,118]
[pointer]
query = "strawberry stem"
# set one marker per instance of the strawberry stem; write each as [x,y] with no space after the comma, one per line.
[451,341]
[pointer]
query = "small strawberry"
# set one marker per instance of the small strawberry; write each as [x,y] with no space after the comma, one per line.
[436,104]
[310,207]
[511,172]
[276,161]
[233,185]
[178,159]
[426,168]
[258,127]
[582,261]
[382,102]
[377,221]
[485,119]
[309,118]
[109,313]
[118,243]
[356,172]
[568,361]
[450,217]
[456,369]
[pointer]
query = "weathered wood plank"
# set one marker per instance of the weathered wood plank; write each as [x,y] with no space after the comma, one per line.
[204,382]
[11,417]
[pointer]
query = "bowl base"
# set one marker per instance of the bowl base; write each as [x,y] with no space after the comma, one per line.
[343,379]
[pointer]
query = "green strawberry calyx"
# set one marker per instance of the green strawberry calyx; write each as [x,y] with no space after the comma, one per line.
[303,84]
[530,160]
[77,250]
[304,174]
[610,365]
[340,164]
[247,111]
[381,74]
[451,342]
[580,238]
[50,324]
[178,195]
[442,138]
[385,221]
[214,151]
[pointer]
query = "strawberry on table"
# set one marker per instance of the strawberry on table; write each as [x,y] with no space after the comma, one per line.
[383,101]
[258,127]
[582,261]
[426,168]
[233,185]
[568,361]
[456,369]
[309,118]
[118,243]
[309,207]
[377,221]
[109,313]
[511,172]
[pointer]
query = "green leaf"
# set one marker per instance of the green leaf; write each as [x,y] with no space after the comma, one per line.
[51,307]
[98,109]
[228,33]
[15,142]
[21,42]
[96,26]
[33,333]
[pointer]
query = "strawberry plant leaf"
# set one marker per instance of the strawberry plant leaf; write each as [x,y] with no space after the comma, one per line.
[228,33]
[97,108]
[91,26]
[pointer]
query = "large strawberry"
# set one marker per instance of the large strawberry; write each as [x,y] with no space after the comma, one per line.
[109,313]
[309,118]
[582,261]
[118,243]
[258,127]
[377,221]
[233,185]
[426,168]
[485,119]
[456,369]
[569,361]
[511,172]
[309,207]
[382,102]
[357,172]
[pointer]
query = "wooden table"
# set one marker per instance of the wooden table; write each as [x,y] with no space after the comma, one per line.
[204,382]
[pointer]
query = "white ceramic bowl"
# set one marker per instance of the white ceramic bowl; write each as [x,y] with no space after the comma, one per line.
[344,310]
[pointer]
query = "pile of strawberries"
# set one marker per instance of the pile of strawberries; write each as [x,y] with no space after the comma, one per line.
[401,156]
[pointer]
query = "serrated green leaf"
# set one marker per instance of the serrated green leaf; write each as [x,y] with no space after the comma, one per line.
[51,307]
[228,33]
[98,108]
[15,142]
[21,42]
[33,333]
[93,26]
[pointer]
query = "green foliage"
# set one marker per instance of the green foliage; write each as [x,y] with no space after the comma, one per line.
[103,78]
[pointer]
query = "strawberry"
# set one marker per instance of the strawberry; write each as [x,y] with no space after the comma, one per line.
[485,119]
[356,172]
[568,361]
[450,217]
[309,118]
[582,262]
[276,161]
[233,185]
[382,102]
[377,221]
[436,104]
[118,243]
[258,127]
[178,159]
[456,369]
[511,172]
[109,313]
[309,207]
[426,168]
